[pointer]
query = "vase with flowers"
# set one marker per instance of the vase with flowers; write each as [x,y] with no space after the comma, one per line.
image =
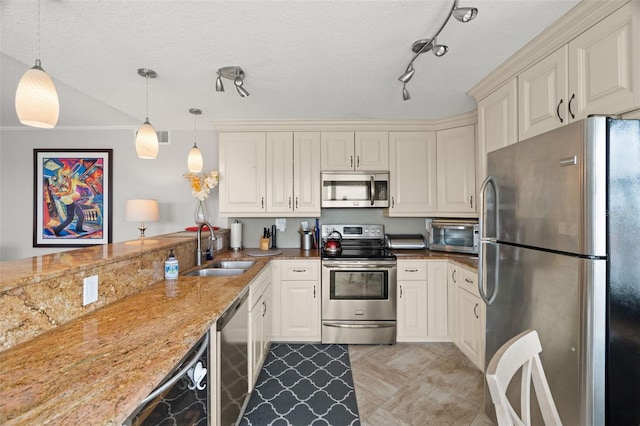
[201,185]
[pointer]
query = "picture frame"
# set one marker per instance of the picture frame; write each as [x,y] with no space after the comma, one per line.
[72,197]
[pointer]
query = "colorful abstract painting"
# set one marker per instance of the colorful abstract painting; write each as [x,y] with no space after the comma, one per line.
[72,197]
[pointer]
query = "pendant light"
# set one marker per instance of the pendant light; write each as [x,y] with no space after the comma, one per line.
[36,96]
[194,160]
[147,138]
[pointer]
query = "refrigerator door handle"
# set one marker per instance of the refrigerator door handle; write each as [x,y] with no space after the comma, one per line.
[487,240]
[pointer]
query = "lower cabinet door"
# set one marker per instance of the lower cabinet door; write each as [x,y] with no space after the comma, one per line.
[412,311]
[469,326]
[256,344]
[300,310]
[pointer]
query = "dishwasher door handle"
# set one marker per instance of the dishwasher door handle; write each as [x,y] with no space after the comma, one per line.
[337,325]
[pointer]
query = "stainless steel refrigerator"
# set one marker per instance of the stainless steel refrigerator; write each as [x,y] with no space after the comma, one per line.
[560,253]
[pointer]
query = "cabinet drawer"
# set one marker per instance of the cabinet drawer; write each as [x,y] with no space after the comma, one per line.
[258,286]
[467,280]
[300,270]
[412,270]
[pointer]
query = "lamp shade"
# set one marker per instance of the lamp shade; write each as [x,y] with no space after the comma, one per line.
[147,141]
[37,99]
[194,160]
[141,211]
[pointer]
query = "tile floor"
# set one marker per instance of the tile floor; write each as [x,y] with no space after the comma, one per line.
[417,384]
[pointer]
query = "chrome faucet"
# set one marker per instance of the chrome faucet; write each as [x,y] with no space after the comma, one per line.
[212,238]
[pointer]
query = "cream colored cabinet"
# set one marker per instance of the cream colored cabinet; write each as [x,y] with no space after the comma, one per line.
[293,173]
[411,296]
[422,301]
[344,151]
[242,169]
[592,74]
[412,167]
[437,300]
[497,124]
[469,314]
[296,300]
[456,170]
[262,173]
[259,323]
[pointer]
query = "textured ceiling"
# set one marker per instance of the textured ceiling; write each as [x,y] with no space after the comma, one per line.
[304,60]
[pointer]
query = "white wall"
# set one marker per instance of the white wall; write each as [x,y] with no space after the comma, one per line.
[132,178]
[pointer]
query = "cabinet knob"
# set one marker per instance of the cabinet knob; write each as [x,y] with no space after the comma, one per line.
[296,203]
[358,162]
[468,280]
[314,291]
[411,270]
[351,161]
[299,270]
[400,292]
[475,312]
[453,276]
[289,202]
[262,202]
[471,201]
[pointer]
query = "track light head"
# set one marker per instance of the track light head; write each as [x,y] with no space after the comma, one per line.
[405,93]
[241,91]
[219,85]
[407,75]
[439,49]
[465,14]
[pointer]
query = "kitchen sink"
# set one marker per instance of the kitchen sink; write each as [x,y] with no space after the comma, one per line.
[216,272]
[232,264]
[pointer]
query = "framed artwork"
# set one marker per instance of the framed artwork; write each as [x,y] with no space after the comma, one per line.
[72,197]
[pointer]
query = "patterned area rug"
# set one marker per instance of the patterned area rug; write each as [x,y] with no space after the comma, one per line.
[304,384]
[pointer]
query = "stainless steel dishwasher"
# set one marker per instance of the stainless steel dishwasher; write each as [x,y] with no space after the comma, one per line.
[232,386]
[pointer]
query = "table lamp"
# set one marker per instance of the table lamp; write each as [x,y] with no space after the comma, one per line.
[141,211]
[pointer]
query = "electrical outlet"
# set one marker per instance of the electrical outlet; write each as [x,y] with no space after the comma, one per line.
[90,290]
[281,224]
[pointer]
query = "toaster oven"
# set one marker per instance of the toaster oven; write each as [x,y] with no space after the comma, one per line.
[457,236]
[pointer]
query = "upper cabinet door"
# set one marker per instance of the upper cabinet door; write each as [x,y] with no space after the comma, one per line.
[601,77]
[497,123]
[337,151]
[242,172]
[412,170]
[306,170]
[279,172]
[372,151]
[542,95]
[456,165]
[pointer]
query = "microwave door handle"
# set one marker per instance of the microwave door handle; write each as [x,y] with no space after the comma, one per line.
[372,190]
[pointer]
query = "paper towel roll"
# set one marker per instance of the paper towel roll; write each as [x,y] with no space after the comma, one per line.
[236,236]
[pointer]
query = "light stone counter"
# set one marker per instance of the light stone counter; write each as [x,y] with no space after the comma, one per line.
[96,368]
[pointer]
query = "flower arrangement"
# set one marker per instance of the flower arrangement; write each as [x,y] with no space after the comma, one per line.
[201,184]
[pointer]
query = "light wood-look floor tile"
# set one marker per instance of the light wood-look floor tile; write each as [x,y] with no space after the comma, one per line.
[417,384]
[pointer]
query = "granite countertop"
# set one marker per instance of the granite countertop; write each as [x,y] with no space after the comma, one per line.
[96,368]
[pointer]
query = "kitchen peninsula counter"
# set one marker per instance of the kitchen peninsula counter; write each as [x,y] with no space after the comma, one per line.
[467,260]
[96,368]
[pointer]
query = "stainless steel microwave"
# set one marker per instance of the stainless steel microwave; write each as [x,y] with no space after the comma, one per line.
[458,236]
[355,189]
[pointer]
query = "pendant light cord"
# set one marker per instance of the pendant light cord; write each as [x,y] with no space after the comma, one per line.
[195,129]
[147,77]
[38,37]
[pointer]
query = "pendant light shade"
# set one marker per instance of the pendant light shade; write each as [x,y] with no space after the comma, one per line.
[36,96]
[147,138]
[37,99]
[147,141]
[194,160]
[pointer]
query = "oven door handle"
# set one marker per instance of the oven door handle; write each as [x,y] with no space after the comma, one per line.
[179,374]
[384,325]
[342,265]
[372,190]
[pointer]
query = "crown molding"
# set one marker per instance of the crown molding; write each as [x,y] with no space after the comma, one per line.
[347,125]
[577,20]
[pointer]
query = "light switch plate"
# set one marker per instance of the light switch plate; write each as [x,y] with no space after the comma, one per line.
[90,290]
[281,224]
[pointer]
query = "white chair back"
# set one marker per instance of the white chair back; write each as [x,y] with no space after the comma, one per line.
[521,351]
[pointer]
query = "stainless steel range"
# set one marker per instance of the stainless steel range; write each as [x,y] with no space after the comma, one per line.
[358,285]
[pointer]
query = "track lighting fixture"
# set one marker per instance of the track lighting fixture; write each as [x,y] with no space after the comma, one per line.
[194,160]
[234,73]
[36,99]
[147,138]
[462,14]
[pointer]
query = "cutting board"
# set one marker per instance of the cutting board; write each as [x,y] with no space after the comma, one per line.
[260,253]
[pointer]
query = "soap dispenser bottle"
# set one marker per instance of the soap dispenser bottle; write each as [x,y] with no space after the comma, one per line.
[171,267]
